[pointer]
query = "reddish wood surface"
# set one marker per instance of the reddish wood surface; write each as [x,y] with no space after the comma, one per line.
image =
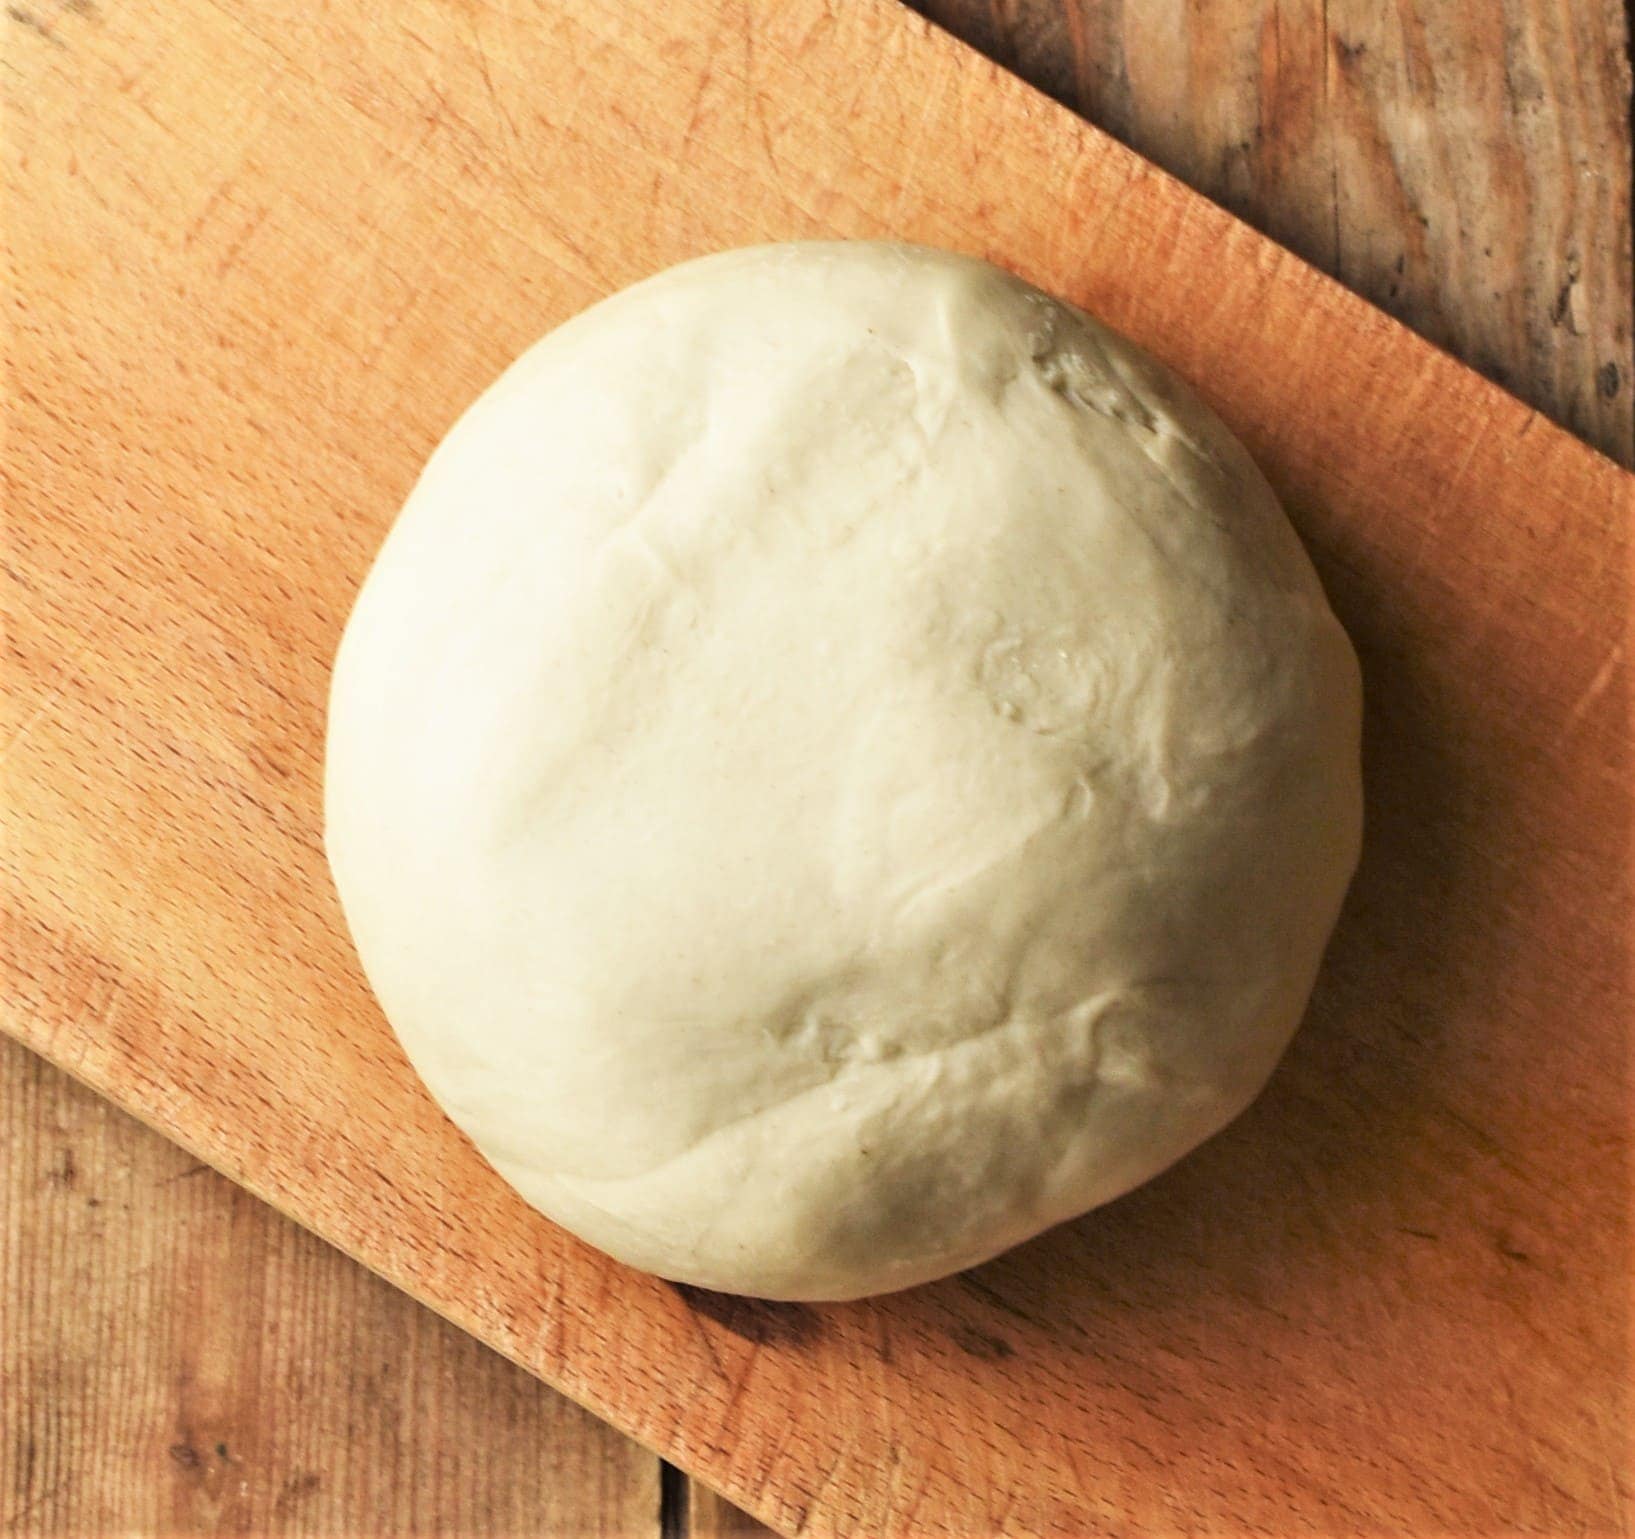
[266,259]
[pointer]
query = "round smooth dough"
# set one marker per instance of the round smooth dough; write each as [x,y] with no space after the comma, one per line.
[841,764]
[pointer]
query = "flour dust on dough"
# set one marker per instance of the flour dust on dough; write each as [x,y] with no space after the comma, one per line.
[841,764]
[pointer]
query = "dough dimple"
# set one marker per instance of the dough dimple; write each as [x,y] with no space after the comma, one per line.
[841,763]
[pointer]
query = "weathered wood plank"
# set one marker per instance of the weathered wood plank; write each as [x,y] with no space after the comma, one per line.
[1465,167]
[179,1359]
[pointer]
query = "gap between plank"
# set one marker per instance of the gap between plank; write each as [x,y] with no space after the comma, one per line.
[672,1502]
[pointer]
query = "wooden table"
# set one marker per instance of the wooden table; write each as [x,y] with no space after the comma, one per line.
[178,1359]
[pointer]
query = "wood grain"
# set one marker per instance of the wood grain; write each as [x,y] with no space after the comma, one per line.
[713,1517]
[267,256]
[1465,167]
[178,1359]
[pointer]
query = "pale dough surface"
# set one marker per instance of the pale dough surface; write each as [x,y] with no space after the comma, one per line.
[842,763]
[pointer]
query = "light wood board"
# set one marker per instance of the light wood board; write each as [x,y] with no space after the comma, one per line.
[264,261]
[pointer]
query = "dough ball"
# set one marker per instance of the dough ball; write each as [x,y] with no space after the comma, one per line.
[842,763]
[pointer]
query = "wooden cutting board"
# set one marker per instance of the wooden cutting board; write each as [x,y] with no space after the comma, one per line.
[262,256]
